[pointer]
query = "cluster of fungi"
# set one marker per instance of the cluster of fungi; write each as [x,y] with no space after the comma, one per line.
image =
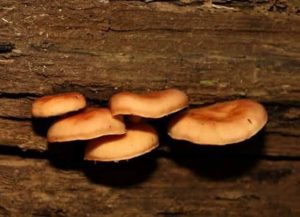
[110,138]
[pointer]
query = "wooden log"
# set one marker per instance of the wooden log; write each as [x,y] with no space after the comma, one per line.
[154,185]
[248,50]
[99,49]
[280,137]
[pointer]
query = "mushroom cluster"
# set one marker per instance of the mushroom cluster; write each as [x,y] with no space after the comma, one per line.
[111,138]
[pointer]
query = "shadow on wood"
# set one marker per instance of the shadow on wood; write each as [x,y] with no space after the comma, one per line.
[16,151]
[67,155]
[218,162]
[70,156]
[41,125]
[122,174]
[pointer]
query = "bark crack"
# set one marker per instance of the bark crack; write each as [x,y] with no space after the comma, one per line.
[19,95]
[6,47]
[11,118]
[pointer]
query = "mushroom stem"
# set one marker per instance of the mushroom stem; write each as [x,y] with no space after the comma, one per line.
[135,119]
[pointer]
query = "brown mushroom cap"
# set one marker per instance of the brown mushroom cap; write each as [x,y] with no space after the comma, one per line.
[89,124]
[58,104]
[219,124]
[149,105]
[139,139]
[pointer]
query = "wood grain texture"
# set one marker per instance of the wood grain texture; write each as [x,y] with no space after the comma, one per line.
[150,186]
[99,49]
[249,49]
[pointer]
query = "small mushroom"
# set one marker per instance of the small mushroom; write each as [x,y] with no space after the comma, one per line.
[58,104]
[219,124]
[89,124]
[148,105]
[139,139]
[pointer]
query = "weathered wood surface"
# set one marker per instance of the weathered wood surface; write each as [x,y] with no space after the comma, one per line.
[99,49]
[152,186]
[251,50]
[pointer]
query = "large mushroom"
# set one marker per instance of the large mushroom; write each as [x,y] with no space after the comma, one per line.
[88,124]
[154,104]
[219,124]
[139,139]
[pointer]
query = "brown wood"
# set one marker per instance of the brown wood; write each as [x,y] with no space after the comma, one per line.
[151,186]
[99,49]
[250,49]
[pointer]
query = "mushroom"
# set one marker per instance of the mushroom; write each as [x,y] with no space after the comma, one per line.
[58,104]
[219,124]
[148,105]
[139,139]
[89,124]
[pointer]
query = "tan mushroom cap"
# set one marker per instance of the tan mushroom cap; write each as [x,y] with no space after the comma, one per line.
[220,124]
[58,104]
[89,124]
[139,139]
[149,105]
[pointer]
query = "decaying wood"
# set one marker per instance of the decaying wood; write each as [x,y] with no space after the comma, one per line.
[249,49]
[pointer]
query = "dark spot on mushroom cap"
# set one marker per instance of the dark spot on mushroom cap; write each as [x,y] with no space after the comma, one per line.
[249,120]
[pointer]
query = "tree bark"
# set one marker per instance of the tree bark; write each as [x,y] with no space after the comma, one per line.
[151,186]
[249,49]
